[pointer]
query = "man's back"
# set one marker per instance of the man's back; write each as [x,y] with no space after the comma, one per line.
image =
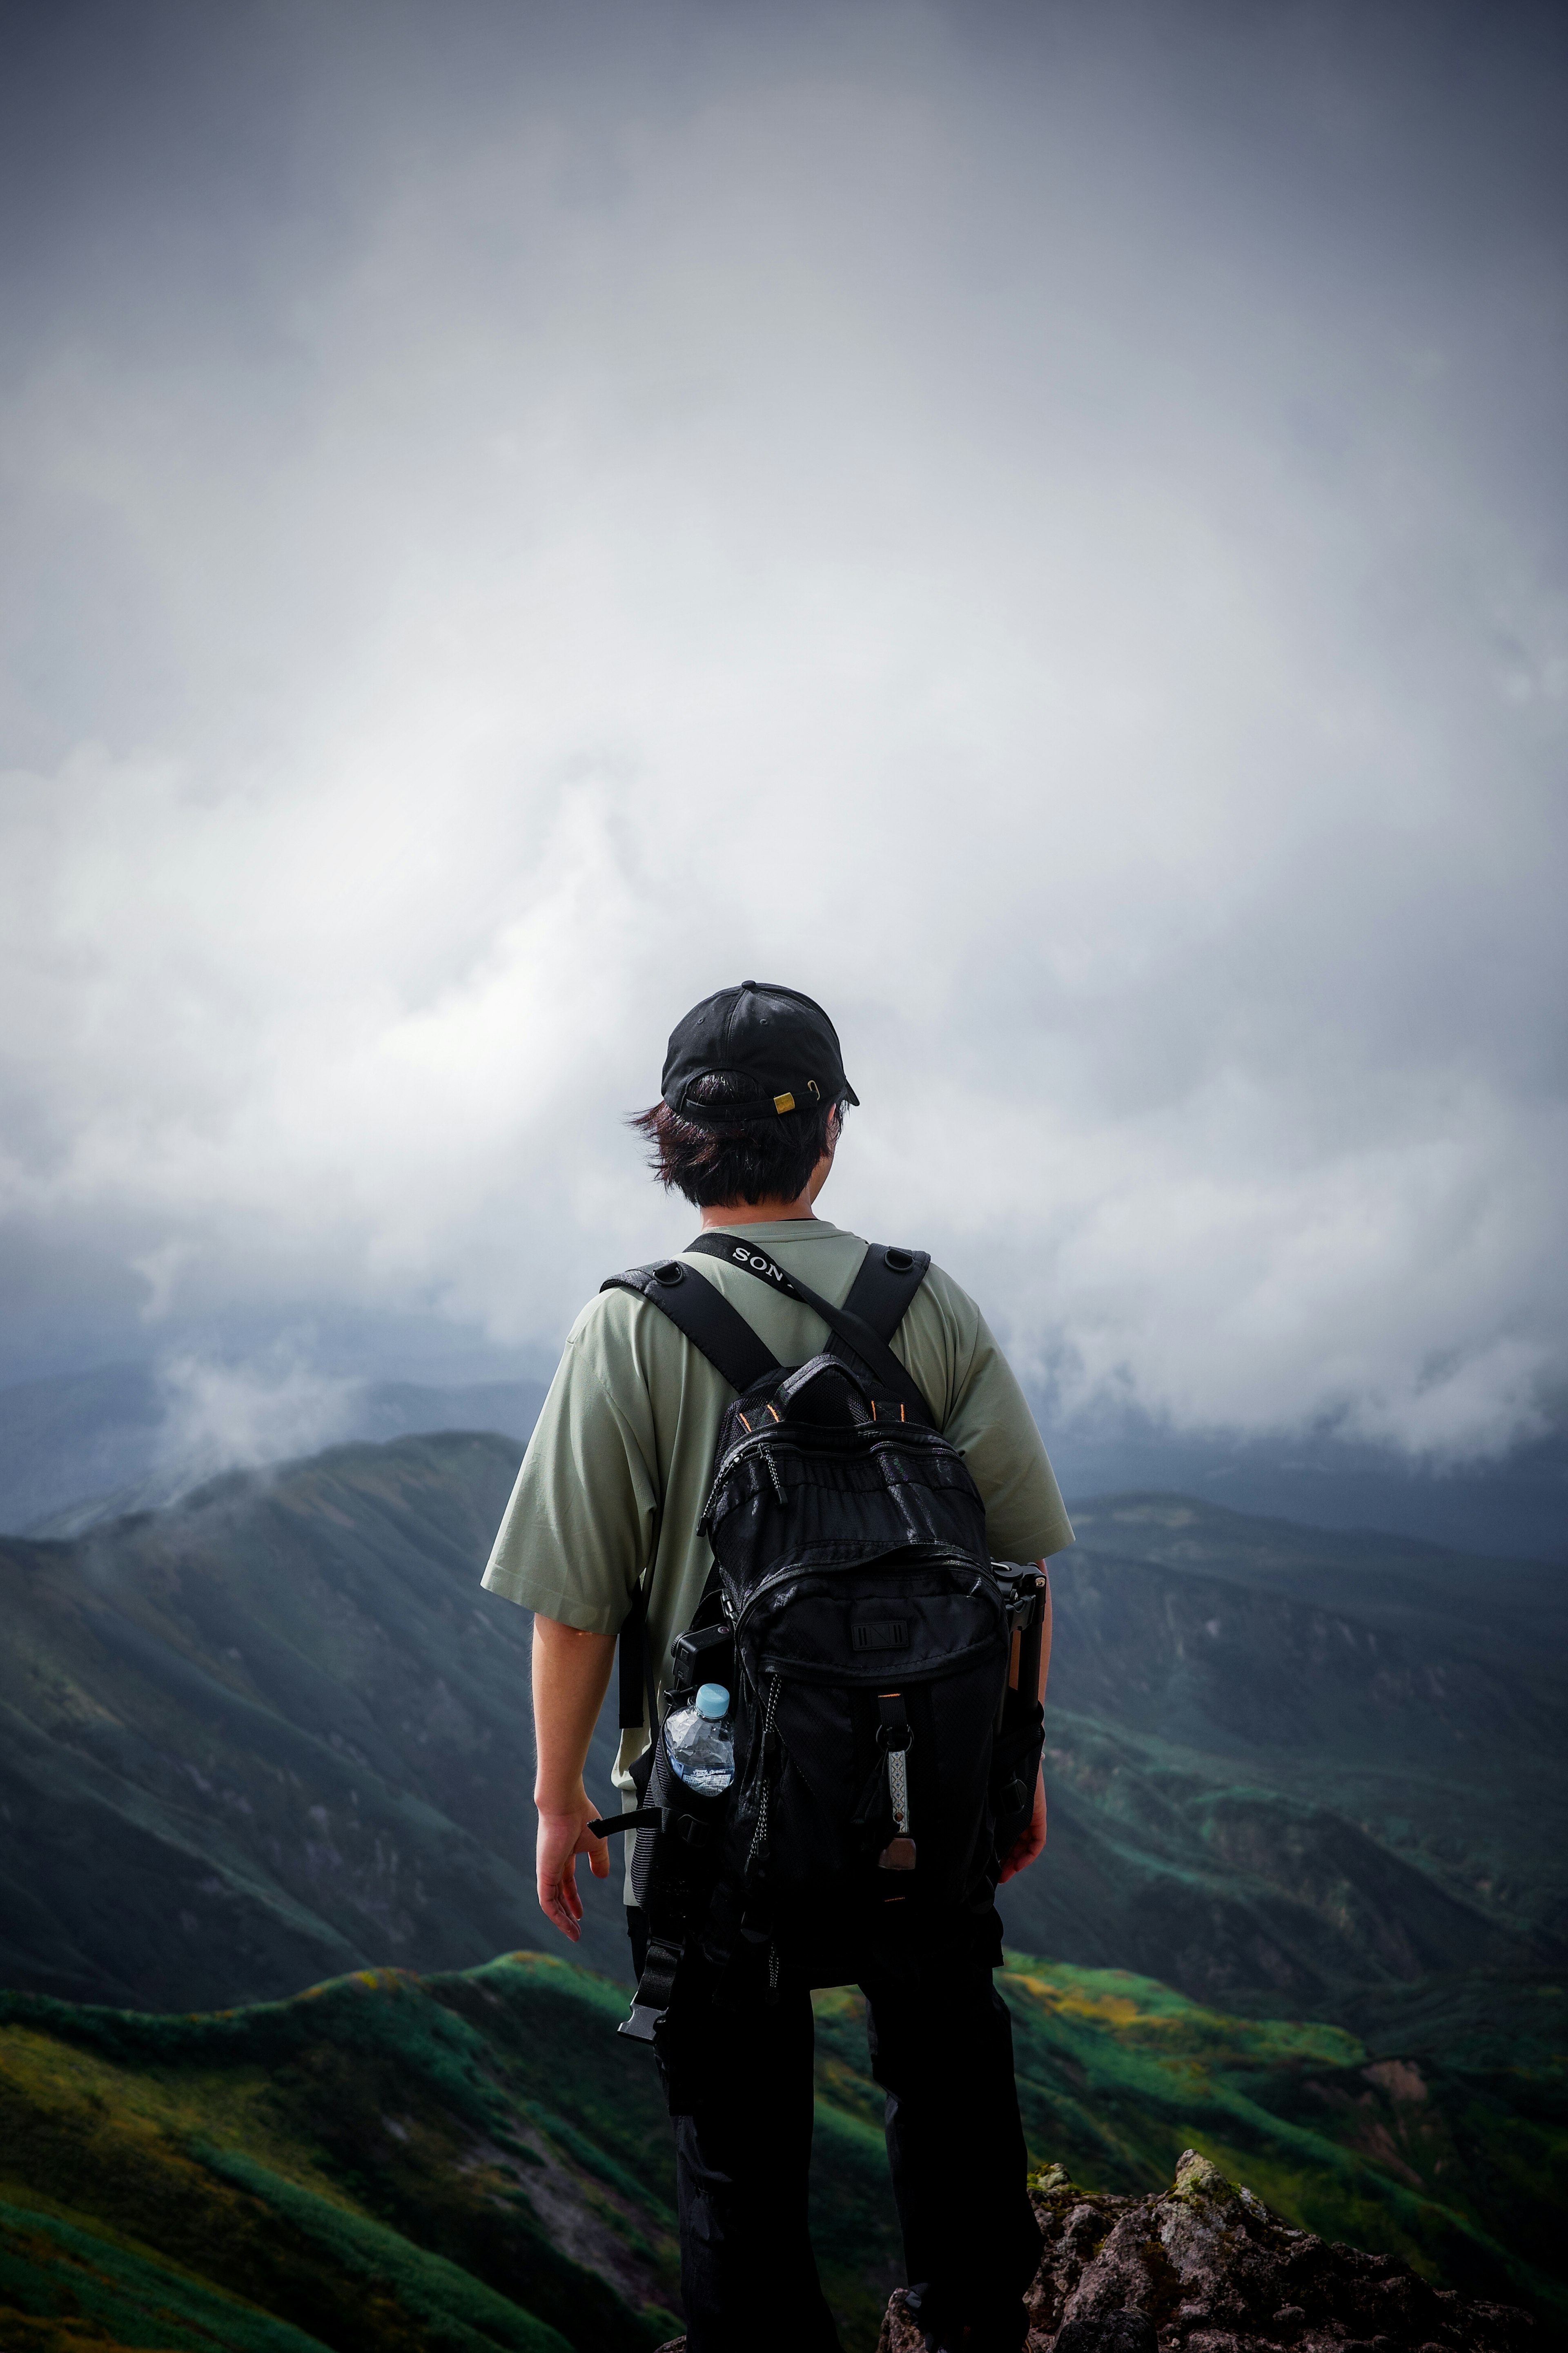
[619,1466]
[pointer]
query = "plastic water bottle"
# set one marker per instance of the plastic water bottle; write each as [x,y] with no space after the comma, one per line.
[700,1740]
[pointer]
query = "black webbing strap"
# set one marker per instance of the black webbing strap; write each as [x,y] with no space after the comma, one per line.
[654,1987]
[884,1289]
[696,1307]
[635,1684]
[645,1818]
[700,1309]
[848,1324]
[895,1727]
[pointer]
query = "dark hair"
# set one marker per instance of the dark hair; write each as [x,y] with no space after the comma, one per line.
[755,1160]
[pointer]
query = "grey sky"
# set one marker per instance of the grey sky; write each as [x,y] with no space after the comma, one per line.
[1044,527]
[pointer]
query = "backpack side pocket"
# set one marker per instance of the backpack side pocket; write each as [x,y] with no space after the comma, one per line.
[1014,1769]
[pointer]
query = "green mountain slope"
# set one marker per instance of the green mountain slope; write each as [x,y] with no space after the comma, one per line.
[273,1732]
[1260,1795]
[387,2161]
[1497,1607]
[277,1731]
[1458,2164]
[476,2159]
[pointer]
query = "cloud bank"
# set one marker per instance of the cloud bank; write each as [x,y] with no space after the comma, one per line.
[1041,529]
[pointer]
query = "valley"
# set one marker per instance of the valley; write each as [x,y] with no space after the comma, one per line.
[276,1730]
[1303,1906]
[1283,1763]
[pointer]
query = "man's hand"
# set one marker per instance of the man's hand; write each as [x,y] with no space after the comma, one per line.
[563,1837]
[1032,1844]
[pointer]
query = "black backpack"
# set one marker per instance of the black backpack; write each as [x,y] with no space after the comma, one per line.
[885,1754]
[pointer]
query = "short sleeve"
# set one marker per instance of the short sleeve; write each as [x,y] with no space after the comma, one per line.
[578,1530]
[986,1416]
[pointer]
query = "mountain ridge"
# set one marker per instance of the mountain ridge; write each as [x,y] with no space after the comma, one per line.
[79,1450]
[279,1730]
[272,1733]
[76,1447]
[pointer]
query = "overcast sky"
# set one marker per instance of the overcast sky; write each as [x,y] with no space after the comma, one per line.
[1042,526]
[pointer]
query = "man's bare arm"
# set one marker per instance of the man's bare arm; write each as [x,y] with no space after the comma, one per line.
[1032,1844]
[571,1676]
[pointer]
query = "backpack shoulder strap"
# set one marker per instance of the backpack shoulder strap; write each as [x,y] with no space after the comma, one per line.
[883,1292]
[722,1334]
[884,1289]
[854,1330]
[700,1309]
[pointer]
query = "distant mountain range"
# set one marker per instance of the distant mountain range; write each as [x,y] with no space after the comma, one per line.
[278,1730]
[1283,1761]
[80,1448]
[1511,1505]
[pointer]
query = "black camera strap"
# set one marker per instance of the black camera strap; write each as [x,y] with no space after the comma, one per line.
[878,1300]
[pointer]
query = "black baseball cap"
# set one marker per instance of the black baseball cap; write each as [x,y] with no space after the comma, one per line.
[780,1043]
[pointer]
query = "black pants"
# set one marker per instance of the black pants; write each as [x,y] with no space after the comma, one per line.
[739,2085]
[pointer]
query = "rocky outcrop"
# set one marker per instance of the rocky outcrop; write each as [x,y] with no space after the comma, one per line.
[1207,2268]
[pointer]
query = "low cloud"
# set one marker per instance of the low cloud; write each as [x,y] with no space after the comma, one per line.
[219,1417]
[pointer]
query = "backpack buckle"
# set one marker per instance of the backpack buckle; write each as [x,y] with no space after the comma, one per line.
[643,2024]
[654,1987]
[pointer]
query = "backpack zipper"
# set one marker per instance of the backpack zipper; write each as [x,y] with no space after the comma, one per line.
[930,1557]
[760,1829]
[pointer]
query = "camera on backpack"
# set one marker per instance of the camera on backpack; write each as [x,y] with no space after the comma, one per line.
[704,1654]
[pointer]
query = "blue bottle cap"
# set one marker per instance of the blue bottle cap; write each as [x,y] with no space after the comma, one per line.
[713,1700]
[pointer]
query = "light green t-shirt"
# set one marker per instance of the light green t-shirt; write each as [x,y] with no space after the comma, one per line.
[618,1468]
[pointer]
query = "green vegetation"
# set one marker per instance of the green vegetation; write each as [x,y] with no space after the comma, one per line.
[463,2162]
[279,1732]
[62,2289]
[1118,2076]
[477,2160]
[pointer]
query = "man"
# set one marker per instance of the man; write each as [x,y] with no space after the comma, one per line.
[605,1518]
